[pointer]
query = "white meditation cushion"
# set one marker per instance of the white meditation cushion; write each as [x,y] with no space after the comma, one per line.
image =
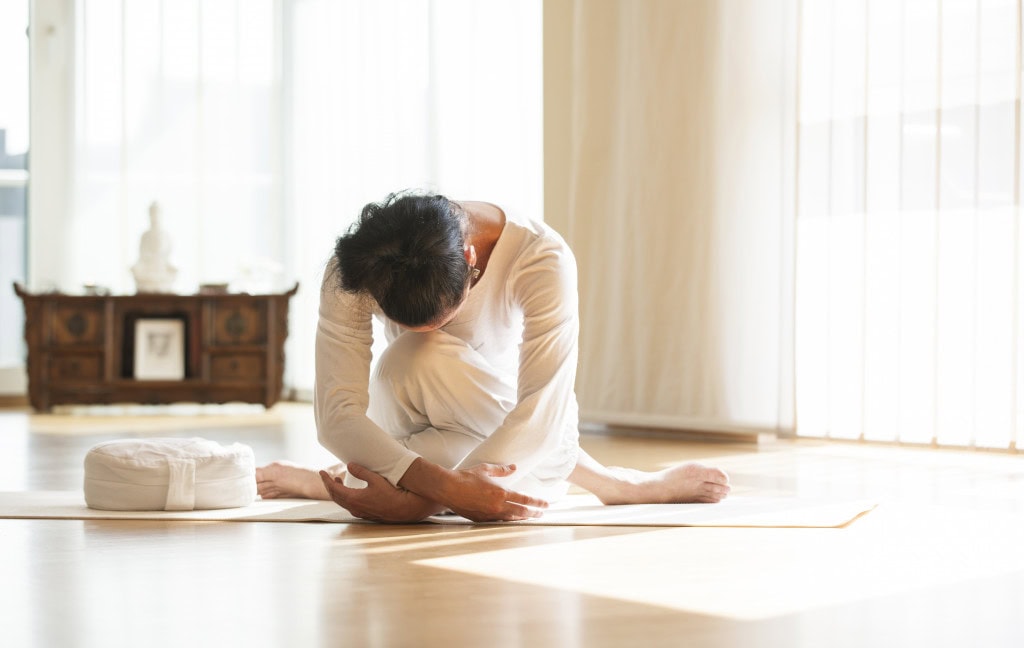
[169,475]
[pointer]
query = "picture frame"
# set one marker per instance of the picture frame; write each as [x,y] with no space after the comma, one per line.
[159,351]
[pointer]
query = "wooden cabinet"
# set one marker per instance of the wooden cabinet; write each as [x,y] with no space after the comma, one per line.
[84,349]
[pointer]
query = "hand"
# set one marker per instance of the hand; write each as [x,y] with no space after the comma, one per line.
[472,495]
[379,501]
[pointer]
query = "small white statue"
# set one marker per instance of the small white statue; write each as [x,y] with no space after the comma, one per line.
[153,272]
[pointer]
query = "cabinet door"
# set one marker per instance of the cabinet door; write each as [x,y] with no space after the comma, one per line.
[238,322]
[77,324]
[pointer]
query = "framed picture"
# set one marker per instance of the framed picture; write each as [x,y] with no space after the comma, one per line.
[159,349]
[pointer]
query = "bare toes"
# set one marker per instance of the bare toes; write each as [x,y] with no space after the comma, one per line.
[713,497]
[716,476]
[714,492]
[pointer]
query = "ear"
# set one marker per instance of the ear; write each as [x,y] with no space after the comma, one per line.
[470,253]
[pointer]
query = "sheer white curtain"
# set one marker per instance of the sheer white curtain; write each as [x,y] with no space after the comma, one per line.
[908,317]
[262,126]
[153,100]
[679,208]
[384,96]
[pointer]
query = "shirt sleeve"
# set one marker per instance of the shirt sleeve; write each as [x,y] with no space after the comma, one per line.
[344,337]
[545,415]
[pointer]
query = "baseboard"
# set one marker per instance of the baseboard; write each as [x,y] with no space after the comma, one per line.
[703,436]
[678,427]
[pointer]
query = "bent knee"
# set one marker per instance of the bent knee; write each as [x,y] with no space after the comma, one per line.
[415,353]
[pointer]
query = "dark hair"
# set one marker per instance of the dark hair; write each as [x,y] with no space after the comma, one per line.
[407,253]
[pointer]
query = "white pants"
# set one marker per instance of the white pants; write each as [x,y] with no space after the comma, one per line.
[441,398]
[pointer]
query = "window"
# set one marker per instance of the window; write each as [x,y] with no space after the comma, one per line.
[261,128]
[14,143]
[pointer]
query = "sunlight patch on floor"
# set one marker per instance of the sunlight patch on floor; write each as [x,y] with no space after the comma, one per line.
[777,572]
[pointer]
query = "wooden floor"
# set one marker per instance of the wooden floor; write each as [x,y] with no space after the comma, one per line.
[939,563]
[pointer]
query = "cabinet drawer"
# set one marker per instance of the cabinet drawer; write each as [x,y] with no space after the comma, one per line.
[249,367]
[77,367]
[239,322]
[77,324]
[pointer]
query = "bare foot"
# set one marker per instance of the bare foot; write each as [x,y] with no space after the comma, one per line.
[689,482]
[282,479]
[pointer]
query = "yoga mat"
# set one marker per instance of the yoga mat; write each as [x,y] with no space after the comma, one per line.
[86,420]
[574,510]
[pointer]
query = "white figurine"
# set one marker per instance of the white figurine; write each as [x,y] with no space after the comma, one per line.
[154,272]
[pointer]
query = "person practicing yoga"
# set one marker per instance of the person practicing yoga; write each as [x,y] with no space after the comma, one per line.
[471,408]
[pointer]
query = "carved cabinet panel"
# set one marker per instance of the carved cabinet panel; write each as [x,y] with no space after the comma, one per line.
[75,324]
[239,322]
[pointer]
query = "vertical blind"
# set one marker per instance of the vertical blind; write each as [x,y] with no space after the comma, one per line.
[908,307]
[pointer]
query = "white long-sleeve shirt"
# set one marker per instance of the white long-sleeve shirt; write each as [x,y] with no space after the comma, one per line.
[522,316]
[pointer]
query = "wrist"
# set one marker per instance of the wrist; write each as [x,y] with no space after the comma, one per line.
[421,508]
[427,480]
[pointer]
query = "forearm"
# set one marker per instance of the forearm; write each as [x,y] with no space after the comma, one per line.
[354,438]
[415,508]
[379,500]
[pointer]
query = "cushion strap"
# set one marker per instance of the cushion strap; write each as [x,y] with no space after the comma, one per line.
[181,485]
